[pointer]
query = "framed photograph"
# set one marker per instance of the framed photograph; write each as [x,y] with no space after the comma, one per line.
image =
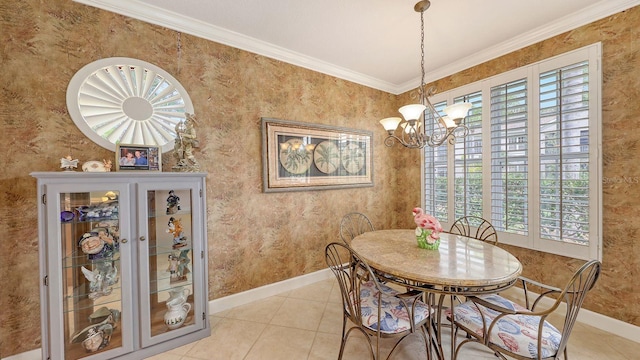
[138,157]
[298,156]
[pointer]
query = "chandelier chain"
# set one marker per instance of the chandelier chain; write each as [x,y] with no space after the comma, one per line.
[422,93]
[414,132]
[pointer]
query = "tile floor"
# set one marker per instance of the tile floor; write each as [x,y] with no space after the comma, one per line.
[306,324]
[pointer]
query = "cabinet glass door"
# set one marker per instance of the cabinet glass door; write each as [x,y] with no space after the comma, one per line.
[168,243]
[90,247]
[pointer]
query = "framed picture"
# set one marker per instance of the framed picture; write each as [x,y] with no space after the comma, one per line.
[299,156]
[138,157]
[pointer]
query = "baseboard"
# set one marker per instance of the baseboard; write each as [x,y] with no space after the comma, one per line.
[614,326]
[28,355]
[245,297]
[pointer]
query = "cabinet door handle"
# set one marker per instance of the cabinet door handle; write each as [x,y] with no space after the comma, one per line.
[142,238]
[124,241]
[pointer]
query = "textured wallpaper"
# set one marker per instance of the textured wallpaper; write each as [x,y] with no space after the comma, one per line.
[615,294]
[256,238]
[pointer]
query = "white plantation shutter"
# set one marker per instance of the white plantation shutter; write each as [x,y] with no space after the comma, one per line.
[468,161]
[435,173]
[532,162]
[509,157]
[564,163]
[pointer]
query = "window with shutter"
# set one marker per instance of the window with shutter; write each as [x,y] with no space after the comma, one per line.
[509,157]
[564,163]
[436,173]
[531,163]
[468,161]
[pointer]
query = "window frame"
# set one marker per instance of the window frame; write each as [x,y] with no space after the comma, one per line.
[592,53]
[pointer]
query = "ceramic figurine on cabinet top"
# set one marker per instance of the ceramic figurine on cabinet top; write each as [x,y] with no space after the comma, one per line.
[68,164]
[186,141]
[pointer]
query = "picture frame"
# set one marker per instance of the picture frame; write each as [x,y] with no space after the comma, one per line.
[134,157]
[299,156]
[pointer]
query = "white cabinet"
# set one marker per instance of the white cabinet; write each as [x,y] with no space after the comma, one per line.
[123,263]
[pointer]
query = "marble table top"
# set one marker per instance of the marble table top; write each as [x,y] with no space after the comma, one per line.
[460,261]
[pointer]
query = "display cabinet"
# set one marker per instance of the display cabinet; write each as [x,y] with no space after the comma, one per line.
[123,263]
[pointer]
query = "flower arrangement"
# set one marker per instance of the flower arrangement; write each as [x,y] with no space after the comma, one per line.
[428,230]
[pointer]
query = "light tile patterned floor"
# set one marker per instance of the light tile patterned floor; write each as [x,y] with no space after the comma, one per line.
[307,323]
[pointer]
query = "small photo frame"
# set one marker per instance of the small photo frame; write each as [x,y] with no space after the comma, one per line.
[138,158]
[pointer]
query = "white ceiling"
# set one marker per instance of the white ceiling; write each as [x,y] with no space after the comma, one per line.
[372,42]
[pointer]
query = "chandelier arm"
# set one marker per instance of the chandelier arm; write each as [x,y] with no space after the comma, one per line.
[390,140]
[438,139]
[437,117]
[461,131]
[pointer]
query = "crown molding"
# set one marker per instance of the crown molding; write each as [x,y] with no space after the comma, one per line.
[585,16]
[158,16]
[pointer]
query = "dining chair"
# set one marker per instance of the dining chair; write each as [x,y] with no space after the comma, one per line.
[372,308]
[354,224]
[475,227]
[523,332]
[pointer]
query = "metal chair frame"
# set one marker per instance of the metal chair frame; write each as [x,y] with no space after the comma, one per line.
[352,272]
[573,295]
[354,224]
[483,229]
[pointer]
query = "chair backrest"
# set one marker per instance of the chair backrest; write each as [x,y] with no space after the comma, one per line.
[354,224]
[475,227]
[351,272]
[574,293]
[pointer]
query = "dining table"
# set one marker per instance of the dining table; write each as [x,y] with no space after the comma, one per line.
[460,266]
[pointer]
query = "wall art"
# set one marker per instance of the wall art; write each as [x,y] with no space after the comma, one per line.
[299,156]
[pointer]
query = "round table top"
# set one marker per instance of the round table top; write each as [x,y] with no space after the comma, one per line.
[459,261]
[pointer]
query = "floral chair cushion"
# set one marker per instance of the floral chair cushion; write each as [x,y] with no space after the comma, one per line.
[515,333]
[395,318]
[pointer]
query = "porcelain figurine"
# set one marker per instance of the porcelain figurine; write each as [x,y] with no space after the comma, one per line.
[175,229]
[178,266]
[107,165]
[186,140]
[101,279]
[173,203]
[100,243]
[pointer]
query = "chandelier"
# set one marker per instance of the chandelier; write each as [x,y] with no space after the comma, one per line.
[412,128]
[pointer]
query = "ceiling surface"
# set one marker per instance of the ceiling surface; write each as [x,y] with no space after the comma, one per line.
[375,42]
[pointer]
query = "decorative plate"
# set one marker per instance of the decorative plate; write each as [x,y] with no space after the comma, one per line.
[352,158]
[326,156]
[296,156]
[93,166]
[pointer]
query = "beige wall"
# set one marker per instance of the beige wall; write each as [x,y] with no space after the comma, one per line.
[256,238]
